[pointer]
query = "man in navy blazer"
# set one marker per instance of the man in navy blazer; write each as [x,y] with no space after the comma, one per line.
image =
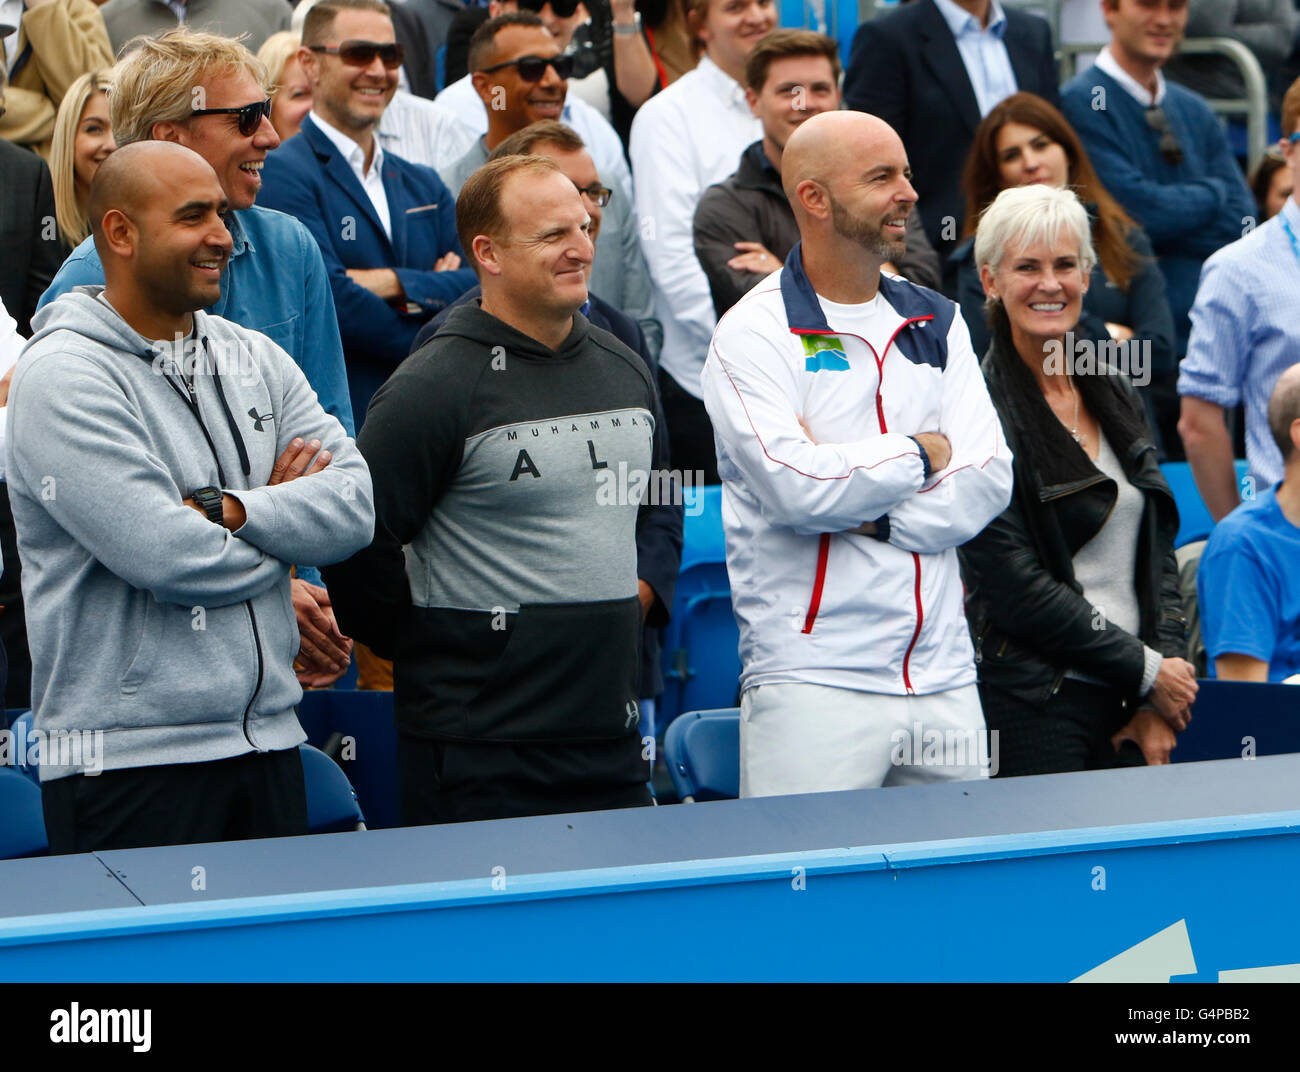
[932,70]
[386,227]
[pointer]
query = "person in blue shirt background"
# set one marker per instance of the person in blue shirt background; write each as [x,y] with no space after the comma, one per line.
[1248,582]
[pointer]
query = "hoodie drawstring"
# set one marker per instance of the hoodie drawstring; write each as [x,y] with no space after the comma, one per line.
[230,419]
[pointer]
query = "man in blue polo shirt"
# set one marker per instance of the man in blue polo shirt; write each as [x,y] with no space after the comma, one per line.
[206,93]
[1248,580]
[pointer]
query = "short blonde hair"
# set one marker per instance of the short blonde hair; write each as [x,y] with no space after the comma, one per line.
[1023,215]
[275,54]
[73,224]
[156,79]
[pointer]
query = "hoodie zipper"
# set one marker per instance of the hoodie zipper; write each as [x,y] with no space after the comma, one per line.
[190,397]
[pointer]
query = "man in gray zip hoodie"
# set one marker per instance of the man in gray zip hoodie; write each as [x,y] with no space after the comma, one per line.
[160,491]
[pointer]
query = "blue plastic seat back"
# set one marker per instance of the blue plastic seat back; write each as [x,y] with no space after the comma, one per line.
[369,751]
[26,753]
[1194,520]
[331,801]
[1233,719]
[22,820]
[703,539]
[701,660]
[702,750]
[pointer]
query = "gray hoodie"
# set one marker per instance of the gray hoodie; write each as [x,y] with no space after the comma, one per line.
[170,634]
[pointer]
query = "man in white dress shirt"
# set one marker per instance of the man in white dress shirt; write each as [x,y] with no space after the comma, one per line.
[684,139]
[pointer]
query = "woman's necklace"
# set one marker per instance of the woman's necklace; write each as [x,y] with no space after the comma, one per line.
[1079,437]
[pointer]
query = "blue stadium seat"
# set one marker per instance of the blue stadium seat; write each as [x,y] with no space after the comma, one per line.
[701,663]
[369,750]
[1194,521]
[702,750]
[1231,719]
[22,821]
[331,801]
[22,731]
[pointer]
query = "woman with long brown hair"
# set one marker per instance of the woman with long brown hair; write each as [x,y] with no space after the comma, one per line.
[1023,141]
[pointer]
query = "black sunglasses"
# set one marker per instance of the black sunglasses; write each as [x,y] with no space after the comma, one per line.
[533,68]
[1169,147]
[599,194]
[250,115]
[563,9]
[363,53]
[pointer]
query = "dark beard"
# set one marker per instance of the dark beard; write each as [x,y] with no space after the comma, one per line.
[870,238]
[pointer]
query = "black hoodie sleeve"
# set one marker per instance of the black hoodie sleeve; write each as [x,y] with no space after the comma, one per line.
[659,526]
[413,440]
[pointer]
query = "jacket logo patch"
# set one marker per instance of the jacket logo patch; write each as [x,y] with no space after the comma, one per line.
[258,418]
[824,353]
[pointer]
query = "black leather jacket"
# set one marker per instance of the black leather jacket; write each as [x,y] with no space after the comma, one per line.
[1029,620]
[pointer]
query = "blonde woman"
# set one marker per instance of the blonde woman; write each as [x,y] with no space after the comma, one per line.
[83,138]
[291,99]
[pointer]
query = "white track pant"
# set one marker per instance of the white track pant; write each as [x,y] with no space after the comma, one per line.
[814,739]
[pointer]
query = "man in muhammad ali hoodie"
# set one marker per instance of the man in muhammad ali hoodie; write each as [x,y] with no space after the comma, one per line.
[160,491]
[503,576]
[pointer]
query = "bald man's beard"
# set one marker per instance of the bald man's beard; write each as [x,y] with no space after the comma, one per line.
[870,237]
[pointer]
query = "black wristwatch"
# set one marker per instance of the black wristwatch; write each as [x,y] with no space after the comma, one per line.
[209,500]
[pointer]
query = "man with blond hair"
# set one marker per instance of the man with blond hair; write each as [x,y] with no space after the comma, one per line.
[209,94]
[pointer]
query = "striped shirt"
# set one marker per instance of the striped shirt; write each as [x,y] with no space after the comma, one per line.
[423,132]
[1246,331]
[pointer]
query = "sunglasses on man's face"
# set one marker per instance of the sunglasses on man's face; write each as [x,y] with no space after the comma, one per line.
[563,9]
[1169,147]
[533,68]
[250,115]
[363,53]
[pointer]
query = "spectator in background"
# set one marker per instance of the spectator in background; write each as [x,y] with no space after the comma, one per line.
[57,42]
[1249,586]
[11,346]
[1163,155]
[561,19]
[275,281]
[291,99]
[1025,141]
[1243,338]
[1271,184]
[83,138]
[421,27]
[931,70]
[386,227]
[856,454]
[744,226]
[163,516]
[659,530]
[515,632]
[415,128]
[684,139]
[616,71]
[1266,27]
[253,21]
[32,250]
[1072,594]
[619,274]
[464,99]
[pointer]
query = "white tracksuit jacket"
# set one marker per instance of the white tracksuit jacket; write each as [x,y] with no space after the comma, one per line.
[816,605]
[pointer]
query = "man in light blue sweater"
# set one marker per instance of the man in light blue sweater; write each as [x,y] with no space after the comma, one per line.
[1163,155]
[164,470]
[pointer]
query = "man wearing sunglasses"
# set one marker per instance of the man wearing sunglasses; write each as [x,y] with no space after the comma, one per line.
[519,67]
[1163,155]
[386,227]
[465,97]
[209,94]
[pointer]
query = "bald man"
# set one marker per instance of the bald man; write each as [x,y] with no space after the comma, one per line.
[857,448]
[165,467]
[1247,582]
